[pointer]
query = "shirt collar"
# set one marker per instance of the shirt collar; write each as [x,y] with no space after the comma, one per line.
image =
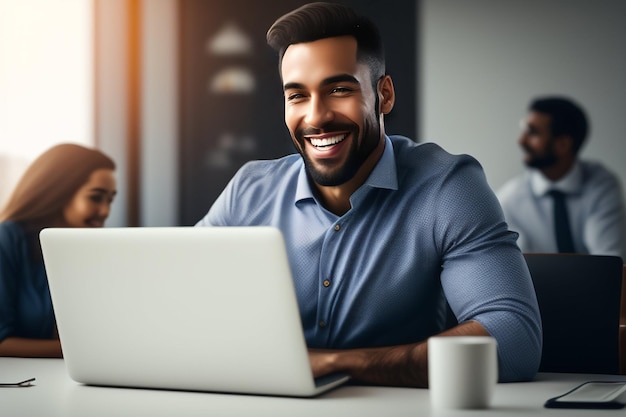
[571,183]
[384,175]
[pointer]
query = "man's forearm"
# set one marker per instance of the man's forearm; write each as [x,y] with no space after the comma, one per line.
[403,365]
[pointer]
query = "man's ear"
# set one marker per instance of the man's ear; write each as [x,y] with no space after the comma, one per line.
[386,94]
[564,145]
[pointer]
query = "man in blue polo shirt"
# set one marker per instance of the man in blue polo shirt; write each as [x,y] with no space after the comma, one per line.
[380,231]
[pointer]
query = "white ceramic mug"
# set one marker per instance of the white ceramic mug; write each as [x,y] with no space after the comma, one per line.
[462,371]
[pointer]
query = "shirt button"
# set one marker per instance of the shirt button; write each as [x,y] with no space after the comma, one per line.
[326,283]
[322,323]
[337,227]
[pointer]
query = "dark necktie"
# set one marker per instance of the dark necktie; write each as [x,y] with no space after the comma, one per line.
[564,240]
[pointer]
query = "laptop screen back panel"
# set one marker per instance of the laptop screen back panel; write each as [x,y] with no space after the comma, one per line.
[210,309]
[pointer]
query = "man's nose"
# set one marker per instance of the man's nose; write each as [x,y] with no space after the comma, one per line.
[522,137]
[318,112]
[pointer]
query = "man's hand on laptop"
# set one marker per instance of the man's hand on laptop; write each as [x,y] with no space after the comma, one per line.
[402,365]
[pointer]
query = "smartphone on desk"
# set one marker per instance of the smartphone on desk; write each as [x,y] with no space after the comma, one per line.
[592,395]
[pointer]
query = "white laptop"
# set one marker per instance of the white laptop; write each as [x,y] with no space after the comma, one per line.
[185,308]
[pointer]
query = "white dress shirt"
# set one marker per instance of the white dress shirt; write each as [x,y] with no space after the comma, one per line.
[595,204]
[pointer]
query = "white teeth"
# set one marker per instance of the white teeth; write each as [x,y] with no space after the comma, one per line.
[327,141]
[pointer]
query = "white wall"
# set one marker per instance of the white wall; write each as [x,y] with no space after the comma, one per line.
[46,81]
[483,60]
[159,117]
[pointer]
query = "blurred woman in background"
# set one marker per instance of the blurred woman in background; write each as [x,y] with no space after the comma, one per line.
[69,185]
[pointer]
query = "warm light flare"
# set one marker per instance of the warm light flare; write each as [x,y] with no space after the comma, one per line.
[46,80]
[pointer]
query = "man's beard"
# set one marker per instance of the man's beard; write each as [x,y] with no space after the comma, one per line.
[545,160]
[359,152]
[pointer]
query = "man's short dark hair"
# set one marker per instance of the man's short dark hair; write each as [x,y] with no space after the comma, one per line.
[321,20]
[567,118]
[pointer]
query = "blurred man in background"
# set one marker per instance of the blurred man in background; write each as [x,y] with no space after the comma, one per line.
[562,203]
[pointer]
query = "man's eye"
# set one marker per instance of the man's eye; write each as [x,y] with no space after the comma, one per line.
[97,198]
[294,96]
[340,90]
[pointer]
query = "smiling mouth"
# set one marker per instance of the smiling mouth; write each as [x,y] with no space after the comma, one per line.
[321,143]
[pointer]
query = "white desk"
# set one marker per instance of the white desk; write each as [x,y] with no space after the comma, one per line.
[55,394]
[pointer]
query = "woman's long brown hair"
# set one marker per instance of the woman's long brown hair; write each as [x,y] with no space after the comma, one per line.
[49,183]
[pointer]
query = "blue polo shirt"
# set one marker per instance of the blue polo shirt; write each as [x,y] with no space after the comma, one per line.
[424,228]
